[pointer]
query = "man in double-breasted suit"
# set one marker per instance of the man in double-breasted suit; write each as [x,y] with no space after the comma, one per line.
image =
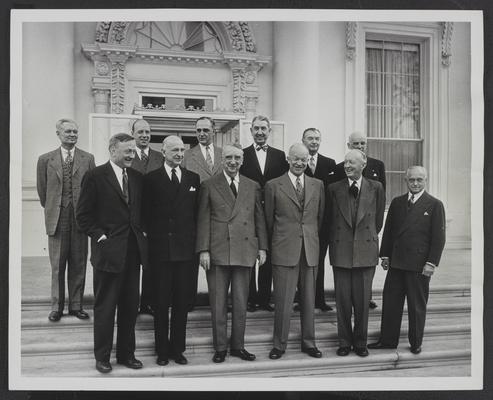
[354,216]
[59,176]
[322,168]
[170,212]
[262,163]
[231,239]
[294,207]
[412,245]
[145,160]
[109,211]
[205,160]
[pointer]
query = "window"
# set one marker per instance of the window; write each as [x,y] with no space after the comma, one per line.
[393,108]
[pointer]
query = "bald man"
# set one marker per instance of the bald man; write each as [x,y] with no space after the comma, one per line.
[353,217]
[146,160]
[170,213]
[294,208]
[412,245]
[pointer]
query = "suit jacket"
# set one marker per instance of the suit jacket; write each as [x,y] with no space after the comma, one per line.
[375,169]
[232,230]
[325,170]
[194,161]
[275,164]
[170,218]
[102,209]
[354,246]
[155,161]
[50,179]
[410,239]
[290,225]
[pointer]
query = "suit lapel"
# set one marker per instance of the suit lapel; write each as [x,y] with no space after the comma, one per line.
[342,197]
[200,160]
[113,181]
[225,191]
[242,188]
[56,163]
[217,160]
[78,156]
[183,187]
[254,160]
[268,161]
[365,197]
[418,208]
[309,190]
[288,188]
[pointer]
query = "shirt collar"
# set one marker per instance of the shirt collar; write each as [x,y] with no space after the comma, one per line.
[236,179]
[416,196]
[139,151]
[168,170]
[315,157]
[293,178]
[358,182]
[211,147]
[65,152]
[118,170]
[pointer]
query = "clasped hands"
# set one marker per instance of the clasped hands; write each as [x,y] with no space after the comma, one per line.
[205,259]
[428,268]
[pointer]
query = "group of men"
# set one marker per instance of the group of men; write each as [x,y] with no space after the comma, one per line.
[234,211]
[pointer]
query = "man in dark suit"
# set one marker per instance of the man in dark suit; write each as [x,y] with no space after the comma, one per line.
[206,161]
[262,163]
[375,169]
[412,245]
[59,176]
[354,216]
[294,208]
[231,239]
[145,160]
[170,213]
[322,168]
[109,211]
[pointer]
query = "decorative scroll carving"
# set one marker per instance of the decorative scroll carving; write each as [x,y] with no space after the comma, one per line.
[102,68]
[102,31]
[238,90]
[235,35]
[117,87]
[351,29]
[248,37]
[447,30]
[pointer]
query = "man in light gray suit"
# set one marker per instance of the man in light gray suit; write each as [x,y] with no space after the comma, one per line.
[231,239]
[294,208]
[59,176]
[354,216]
[146,160]
[205,160]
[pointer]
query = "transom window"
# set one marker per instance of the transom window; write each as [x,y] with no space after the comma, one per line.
[393,108]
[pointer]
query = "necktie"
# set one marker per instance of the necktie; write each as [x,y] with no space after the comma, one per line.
[68,159]
[125,184]
[263,147]
[233,187]
[174,177]
[208,158]
[143,156]
[299,191]
[410,202]
[312,164]
[354,189]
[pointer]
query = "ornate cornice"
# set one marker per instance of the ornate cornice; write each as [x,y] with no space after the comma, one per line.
[111,31]
[351,29]
[238,90]
[446,45]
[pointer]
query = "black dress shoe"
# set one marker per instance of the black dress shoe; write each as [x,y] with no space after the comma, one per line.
[416,350]
[180,359]
[146,309]
[266,307]
[55,316]
[324,307]
[297,307]
[312,352]
[103,366]
[219,356]
[81,314]
[251,307]
[276,354]
[372,304]
[132,363]
[379,345]
[361,351]
[243,354]
[343,351]
[162,361]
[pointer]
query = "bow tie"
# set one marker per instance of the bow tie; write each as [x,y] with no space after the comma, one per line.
[263,147]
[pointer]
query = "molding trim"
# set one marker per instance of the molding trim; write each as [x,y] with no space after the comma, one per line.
[351,30]
[447,31]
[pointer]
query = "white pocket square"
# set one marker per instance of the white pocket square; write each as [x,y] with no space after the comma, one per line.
[192,189]
[426,213]
[331,173]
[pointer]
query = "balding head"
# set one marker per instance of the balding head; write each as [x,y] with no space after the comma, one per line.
[297,158]
[354,164]
[173,151]
[357,141]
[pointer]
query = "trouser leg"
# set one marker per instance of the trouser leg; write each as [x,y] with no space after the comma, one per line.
[163,286]
[218,278]
[361,279]
[307,279]
[264,282]
[417,289]
[182,290]
[240,279]
[320,288]
[342,284]
[77,263]
[394,293]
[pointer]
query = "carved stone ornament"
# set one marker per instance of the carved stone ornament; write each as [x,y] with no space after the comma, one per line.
[238,90]
[117,87]
[351,29]
[102,68]
[250,77]
[447,30]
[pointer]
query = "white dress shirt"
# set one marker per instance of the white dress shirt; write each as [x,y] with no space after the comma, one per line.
[204,151]
[315,160]
[138,151]
[416,196]
[261,157]
[118,172]
[358,182]
[236,180]
[66,152]
[169,172]
[293,178]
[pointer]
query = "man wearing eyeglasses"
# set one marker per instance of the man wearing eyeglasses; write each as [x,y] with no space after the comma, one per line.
[262,163]
[59,176]
[205,160]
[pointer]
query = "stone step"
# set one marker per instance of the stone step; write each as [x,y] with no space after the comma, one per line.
[448,351]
